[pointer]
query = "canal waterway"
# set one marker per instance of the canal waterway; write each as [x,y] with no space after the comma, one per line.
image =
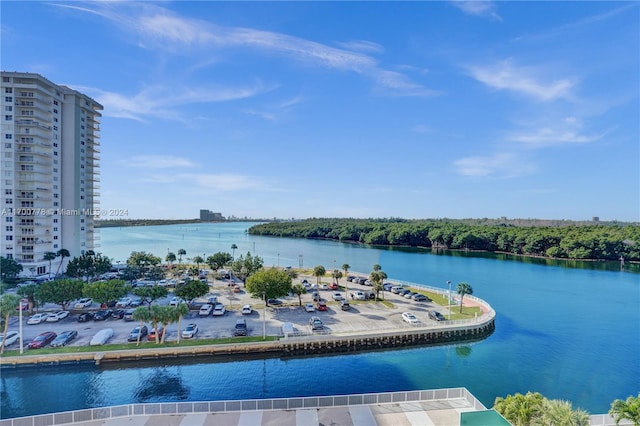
[567,330]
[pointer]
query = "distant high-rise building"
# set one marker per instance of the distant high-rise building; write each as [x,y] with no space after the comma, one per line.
[50,178]
[209,216]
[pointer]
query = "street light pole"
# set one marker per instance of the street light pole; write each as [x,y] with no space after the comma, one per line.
[278,260]
[264,317]
[449,282]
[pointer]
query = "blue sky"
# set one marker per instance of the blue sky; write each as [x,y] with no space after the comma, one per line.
[351,109]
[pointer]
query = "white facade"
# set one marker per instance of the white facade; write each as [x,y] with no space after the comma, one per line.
[49,171]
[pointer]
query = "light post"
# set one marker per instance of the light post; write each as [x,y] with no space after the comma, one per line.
[264,316]
[449,282]
[278,260]
[20,329]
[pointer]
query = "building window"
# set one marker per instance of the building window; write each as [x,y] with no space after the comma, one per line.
[8,192]
[9,118]
[55,237]
[55,246]
[55,229]
[8,136]
[8,90]
[55,127]
[9,238]
[8,228]
[7,145]
[8,201]
[55,111]
[55,102]
[8,99]
[55,195]
[82,228]
[9,255]
[9,219]
[55,204]
[8,108]
[41,270]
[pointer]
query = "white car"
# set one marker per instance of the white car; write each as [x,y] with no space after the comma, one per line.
[176,301]
[408,317]
[55,317]
[247,310]
[358,295]
[83,303]
[219,310]
[123,302]
[205,310]
[37,319]
[12,337]
[337,297]
[324,287]
[309,307]
[190,331]
[101,337]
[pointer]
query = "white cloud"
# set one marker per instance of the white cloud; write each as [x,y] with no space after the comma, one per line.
[549,136]
[225,181]
[477,8]
[159,28]
[526,80]
[506,165]
[157,162]
[362,46]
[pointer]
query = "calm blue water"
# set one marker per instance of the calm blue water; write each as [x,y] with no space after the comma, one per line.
[568,333]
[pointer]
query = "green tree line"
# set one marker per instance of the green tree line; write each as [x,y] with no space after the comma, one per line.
[560,239]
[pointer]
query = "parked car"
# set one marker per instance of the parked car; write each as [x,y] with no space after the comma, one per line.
[128,315]
[219,310]
[205,310]
[321,305]
[337,296]
[118,314]
[350,278]
[190,331]
[420,298]
[102,315]
[135,302]
[316,324]
[57,316]
[64,338]
[333,286]
[212,300]
[344,305]
[387,286]
[370,295]
[237,289]
[101,337]
[12,337]
[396,289]
[324,287]
[274,302]
[123,302]
[175,301]
[247,310]
[309,307]
[85,316]
[42,340]
[240,328]
[358,295]
[23,306]
[83,303]
[436,316]
[152,334]
[37,319]
[316,296]
[408,317]
[409,295]
[140,331]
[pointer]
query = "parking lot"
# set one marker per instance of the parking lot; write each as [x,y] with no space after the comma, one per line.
[363,316]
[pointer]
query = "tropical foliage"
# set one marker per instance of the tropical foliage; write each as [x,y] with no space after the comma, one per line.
[533,409]
[104,292]
[555,239]
[9,269]
[191,289]
[88,265]
[61,292]
[8,304]
[628,409]
[272,282]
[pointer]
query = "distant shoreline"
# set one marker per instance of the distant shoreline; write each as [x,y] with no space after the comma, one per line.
[117,223]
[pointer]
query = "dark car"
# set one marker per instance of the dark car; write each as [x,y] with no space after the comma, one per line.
[118,314]
[274,302]
[240,328]
[420,298]
[138,331]
[437,316]
[370,295]
[344,305]
[42,340]
[64,338]
[85,316]
[102,315]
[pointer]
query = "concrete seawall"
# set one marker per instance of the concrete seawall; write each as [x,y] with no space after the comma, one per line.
[447,332]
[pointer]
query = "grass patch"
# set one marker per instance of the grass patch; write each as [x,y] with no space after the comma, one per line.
[387,303]
[143,345]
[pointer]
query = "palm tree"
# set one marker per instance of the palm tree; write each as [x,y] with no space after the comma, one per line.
[181,252]
[558,412]
[170,258]
[62,253]
[166,317]
[180,311]
[49,255]
[8,304]
[628,409]
[345,268]
[198,260]
[143,315]
[376,267]
[377,277]
[462,289]
[157,313]
[319,272]
[299,290]
[233,250]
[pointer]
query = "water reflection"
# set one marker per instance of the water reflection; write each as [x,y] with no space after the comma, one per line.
[161,384]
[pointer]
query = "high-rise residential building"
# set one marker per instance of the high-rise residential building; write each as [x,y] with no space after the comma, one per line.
[49,171]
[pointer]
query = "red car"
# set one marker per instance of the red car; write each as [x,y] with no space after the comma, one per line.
[42,340]
[322,306]
[23,306]
[152,333]
[333,286]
